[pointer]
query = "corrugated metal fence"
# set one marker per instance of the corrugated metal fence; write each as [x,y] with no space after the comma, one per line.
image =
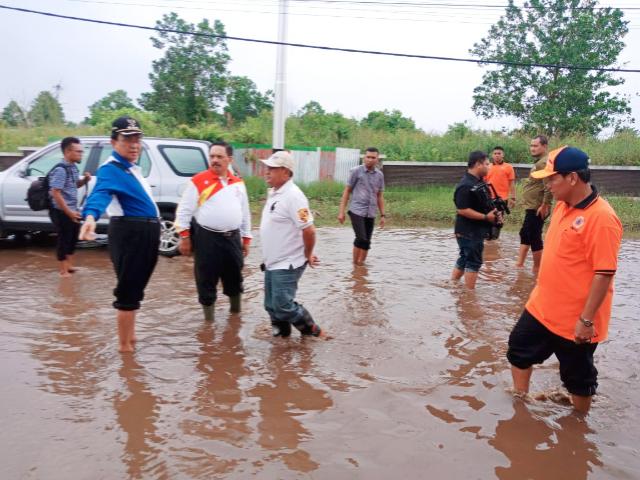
[311,165]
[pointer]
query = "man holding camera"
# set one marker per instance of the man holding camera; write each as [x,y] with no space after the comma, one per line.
[475,217]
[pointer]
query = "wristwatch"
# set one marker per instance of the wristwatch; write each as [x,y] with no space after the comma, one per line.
[586,323]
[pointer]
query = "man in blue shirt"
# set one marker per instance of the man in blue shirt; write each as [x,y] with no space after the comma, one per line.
[366,183]
[134,226]
[63,189]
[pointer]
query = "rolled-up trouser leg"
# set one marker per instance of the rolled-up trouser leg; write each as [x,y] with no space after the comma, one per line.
[306,325]
[280,292]
[279,328]
[363,229]
[133,247]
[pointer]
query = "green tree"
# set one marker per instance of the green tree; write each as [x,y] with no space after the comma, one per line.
[116,100]
[14,115]
[553,100]
[245,100]
[46,110]
[312,125]
[311,108]
[189,81]
[388,121]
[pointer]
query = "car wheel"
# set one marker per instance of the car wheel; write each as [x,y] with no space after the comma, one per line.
[168,238]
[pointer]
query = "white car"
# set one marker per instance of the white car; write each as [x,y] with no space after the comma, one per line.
[167,164]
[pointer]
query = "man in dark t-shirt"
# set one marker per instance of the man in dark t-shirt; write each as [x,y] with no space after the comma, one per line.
[473,220]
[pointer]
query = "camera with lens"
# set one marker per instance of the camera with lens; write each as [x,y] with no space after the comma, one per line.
[487,193]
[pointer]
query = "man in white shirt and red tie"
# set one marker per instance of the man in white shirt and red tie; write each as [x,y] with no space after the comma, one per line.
[214,222]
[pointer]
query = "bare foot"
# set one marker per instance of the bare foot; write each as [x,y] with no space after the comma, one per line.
[72,270]
[519,265]
[324,335]
[65,274]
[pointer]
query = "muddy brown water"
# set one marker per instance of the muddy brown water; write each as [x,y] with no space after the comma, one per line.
[413,384]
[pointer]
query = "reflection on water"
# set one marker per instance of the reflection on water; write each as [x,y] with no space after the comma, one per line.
[538,451]
[285,395]
[413,381]
[137,411]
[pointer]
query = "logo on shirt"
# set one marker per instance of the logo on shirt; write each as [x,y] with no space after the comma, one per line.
[303,215]
[578,223]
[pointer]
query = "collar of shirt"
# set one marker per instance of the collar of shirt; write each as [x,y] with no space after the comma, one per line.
[283,188]
[471,176]
[228,180]
[119,158]
[587,202]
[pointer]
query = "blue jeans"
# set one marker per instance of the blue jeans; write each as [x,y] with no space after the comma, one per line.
[470,258]
[280,287]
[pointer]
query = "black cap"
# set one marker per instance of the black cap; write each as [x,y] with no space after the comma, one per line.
[126,126]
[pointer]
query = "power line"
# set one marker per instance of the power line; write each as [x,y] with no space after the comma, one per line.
[432,17]
[417,16]
[447,4]
[322,47]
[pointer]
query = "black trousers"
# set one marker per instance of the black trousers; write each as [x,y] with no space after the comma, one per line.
[217,256]
[363,228]
[133,245]
[67,231]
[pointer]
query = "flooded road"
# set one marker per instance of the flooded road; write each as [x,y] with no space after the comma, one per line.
[413,384]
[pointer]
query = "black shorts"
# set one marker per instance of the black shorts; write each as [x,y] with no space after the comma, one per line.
[363,228]
[133,245]
[531,231]
[531,343]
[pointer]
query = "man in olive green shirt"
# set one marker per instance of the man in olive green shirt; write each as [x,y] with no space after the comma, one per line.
[536,200]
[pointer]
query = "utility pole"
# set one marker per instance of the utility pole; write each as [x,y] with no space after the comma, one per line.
[279,107]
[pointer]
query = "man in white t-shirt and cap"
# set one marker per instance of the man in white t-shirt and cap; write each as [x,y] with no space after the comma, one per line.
[288,237]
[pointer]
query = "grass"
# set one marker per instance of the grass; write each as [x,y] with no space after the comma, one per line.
[622,148]
[415,206]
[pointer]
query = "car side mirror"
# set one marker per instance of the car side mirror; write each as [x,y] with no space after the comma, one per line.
[23,171]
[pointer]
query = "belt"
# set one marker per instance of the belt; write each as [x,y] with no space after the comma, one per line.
[136,219]
[229,233]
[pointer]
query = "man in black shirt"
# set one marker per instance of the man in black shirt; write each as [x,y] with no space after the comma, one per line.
[474,218]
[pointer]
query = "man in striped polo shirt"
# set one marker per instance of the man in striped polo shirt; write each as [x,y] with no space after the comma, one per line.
[134,226]
[214,222]
[63,189]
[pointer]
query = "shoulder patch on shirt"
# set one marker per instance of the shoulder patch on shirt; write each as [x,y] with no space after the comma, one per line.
[578,223]
[303,215]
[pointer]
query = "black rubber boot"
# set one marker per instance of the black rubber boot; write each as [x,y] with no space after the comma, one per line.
[306,325]
[235,303]
[280,329]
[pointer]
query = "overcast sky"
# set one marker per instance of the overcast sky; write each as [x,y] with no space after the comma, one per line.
[91,60]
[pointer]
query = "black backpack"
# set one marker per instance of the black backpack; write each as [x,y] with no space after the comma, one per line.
[38,192]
